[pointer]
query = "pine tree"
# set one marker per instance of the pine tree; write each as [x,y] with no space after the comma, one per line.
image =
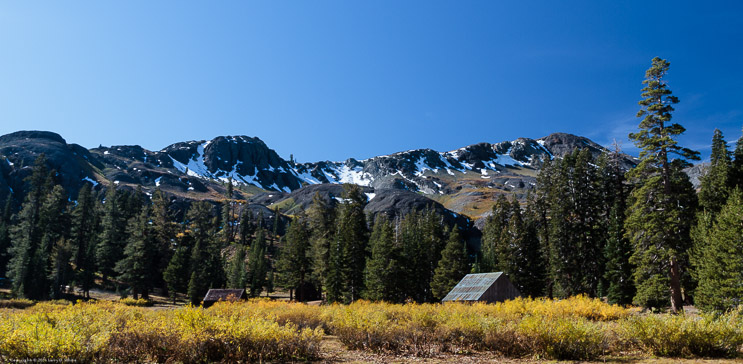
[532,267]
[321,221]
[258,264]
[228,231]
[207,270]
[275,226]
[294,263]
[663,201]
[54,220]
[83,231]
[176,273]
[247,226]
[713,192]
[421,237]
[353,238]
[384,271]
[135,269]
[61,271]
[575,229]
[618,274]
[26,234]
[163,235]
[335,284]
[237,272]
[5,223]
[111,241]
[718,259]
[736,170]
[452,267]
[492,233]
[414,256]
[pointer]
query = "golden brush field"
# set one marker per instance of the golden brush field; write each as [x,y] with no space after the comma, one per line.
[578,328]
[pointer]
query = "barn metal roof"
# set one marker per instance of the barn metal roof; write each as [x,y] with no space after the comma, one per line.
[472,287]
[224,295]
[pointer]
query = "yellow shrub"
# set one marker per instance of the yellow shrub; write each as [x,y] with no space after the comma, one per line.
[685,335]
[141,302]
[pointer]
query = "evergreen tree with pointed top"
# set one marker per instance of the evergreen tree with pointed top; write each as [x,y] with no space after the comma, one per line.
[384,268]
[177,273]
[618,273]
[275,226]
[61,271]
[321,222]
[294,263]
[84,219]
[575,226]
[335,283]
[228,231]
[163,235]
[111,240]
[247,226]
[54,220]
[26,234]
[237,272]
[5,223]
[492,235]
[736,169]
[353,238]
[258,264]
[135,269]
[532,268]
[718,259]
[714,189]
[662,202]
[207,270]
[452,267]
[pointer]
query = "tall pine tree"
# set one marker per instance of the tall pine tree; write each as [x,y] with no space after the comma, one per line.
[663,201]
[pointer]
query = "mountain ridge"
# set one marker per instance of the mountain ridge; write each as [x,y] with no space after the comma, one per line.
[463,180]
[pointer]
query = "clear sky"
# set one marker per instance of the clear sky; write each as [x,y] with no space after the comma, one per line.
[327,80]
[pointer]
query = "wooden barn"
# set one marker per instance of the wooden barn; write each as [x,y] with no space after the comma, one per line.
[227,295]
[483,287]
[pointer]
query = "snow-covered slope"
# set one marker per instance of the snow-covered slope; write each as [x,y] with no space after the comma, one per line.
[249,161]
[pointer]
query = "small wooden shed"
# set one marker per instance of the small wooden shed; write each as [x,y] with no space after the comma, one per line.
[227,295]
[483,287]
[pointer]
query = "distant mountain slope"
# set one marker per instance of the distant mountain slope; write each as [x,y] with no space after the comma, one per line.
[464,180]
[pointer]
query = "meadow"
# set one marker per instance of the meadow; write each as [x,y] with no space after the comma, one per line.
[578,328]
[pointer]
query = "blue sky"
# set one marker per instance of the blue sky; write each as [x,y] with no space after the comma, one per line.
[327,80]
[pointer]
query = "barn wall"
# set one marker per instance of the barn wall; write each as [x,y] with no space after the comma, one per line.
[500,291]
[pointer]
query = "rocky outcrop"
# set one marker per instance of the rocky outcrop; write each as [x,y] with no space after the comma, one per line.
[72,163]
